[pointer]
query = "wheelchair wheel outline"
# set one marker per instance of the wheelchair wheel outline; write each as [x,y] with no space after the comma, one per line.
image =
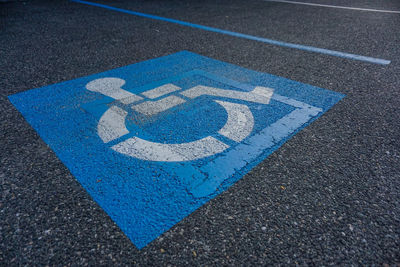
[239,125]
[111,126]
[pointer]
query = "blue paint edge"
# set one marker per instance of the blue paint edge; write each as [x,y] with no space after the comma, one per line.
[228,183]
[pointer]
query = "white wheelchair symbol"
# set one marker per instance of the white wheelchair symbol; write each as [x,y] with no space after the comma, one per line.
[111,126]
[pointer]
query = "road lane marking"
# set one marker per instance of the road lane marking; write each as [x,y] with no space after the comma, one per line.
[341,7]
[246,36]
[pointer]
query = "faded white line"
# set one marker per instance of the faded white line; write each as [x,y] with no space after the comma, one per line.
[259,94]
[112,87]
[342,7]
[112,124]
[161,90]
[240,121]
[151,108]
[146,150]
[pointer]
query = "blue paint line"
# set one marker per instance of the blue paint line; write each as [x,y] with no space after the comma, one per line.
[246,36]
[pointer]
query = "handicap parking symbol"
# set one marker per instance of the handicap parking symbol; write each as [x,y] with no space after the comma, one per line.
[153,141]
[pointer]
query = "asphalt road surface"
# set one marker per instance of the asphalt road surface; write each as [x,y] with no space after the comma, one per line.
[328,196]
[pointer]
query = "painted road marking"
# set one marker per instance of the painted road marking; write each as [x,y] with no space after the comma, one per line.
[239,123]
[259,94]
[112,87]
[332,6]
[152,151]
[155,168]
[112,124]
[161,90]
[151,108]
[246,36]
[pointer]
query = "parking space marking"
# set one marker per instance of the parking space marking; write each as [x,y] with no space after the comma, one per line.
[246,36]
[149,174]
[332,6]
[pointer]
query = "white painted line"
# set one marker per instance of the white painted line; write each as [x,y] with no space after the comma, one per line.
[342,7]
[112,124]
[150,108]
[161,90]
[146,150]
[294,103]
[112,87]
[240,121]
[260,94]
[245,36]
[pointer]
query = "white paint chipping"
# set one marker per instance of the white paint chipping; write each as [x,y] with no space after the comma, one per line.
[240,121]
[150,108]
[112,87]
[261,95]
[161,90]
[332,6]
[112,124]
[152,151]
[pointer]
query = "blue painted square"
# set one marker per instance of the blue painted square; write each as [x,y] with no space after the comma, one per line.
[153,141]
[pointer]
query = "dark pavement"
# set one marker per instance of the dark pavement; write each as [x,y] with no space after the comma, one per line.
[328,196]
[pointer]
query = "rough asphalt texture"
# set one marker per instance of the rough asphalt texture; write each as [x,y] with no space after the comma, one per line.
[330,195]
